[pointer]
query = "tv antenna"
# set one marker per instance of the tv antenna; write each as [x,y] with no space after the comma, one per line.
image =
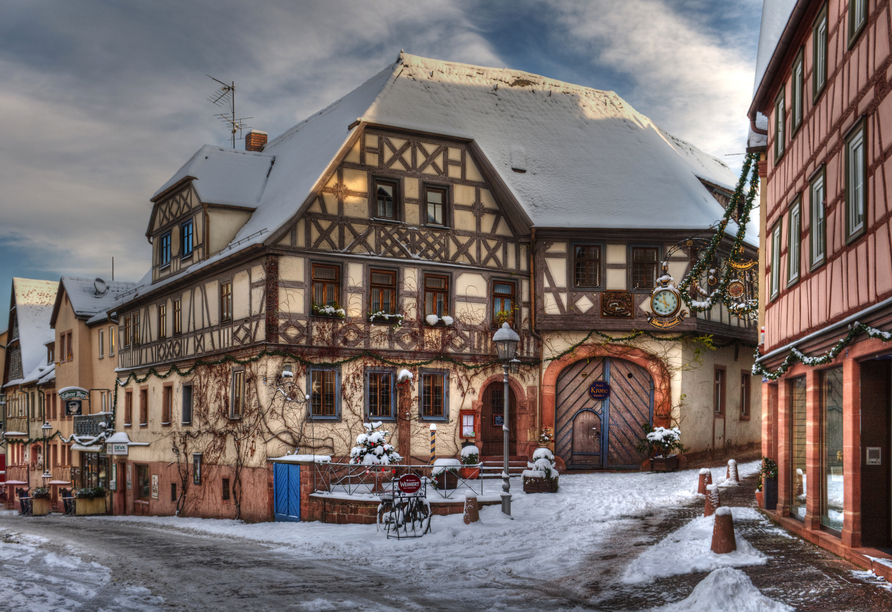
[224,97]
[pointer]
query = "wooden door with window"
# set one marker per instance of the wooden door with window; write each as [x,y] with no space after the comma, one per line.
[493,416]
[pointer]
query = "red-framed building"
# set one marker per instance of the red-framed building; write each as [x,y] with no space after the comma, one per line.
[823,80]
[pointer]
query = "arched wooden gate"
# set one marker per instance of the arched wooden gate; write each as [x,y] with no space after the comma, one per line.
[602,434]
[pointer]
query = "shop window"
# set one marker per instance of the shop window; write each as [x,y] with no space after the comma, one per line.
[832,449]
[587,265]
[436,295]
[324,392]
[434,400]
[504,303]
[645,264]
[798,467]
[380,394]
[326,285]
[143,483]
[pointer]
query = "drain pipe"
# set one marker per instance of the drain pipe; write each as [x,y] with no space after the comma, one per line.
[533,320]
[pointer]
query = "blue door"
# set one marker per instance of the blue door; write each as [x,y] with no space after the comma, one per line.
[286,489]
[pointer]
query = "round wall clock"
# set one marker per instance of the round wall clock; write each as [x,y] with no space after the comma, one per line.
[665,302]
[736,289]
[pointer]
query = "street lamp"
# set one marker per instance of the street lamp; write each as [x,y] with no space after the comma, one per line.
[506,341]
[46,458]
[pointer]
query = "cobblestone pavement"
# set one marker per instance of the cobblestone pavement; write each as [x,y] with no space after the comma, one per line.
[798,573]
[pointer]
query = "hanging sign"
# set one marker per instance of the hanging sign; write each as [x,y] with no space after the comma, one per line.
[73,393]
[498,420]
[599,390]
[409,484]
[73,407]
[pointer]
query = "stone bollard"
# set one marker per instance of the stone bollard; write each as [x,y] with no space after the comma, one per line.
[732,472]
[705,479]
[472,510]
[723,539]
[713,502]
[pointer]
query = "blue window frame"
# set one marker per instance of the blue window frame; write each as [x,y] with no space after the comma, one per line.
[164,250]
[186,239]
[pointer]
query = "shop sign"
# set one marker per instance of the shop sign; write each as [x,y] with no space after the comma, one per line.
[73,407]
[410,484]
[74,393]
[599,390]
[117,449]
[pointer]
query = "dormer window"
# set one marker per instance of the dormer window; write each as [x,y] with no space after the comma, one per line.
[50,354]
[164,250]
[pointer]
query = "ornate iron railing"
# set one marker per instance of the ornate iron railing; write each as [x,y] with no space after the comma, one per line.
[348,479]
[92,424]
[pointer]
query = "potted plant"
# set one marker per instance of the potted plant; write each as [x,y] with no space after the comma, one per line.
[768,483]
[658,444]
[40,502]
[470,459]
[506,316]
[541,477]
[332,311]
[89,501]
[404,379]
[445,473]
[545,438]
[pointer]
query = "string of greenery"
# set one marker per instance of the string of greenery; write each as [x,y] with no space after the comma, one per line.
[827,357]
[751,170]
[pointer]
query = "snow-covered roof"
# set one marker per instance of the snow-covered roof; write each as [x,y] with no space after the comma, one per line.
[754,139]
[90,297]
[776,19]
[34,301]
[587,153]
[224,176]
[42,374]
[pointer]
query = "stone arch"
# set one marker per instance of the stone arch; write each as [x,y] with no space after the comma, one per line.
[526,421]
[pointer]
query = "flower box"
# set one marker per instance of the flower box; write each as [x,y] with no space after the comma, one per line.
[664,464]
[446,480]
[470,473]
[540,485]
[380,318]
[41,506]
[85,506]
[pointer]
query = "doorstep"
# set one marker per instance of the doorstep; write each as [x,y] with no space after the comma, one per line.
[859,556]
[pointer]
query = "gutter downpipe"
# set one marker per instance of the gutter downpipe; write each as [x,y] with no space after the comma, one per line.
[533,320]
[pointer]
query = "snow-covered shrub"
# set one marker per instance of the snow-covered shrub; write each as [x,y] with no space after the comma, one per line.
[372,447]
[40,493]
[660,441]
[433,319]
[404,378]
[470,455]
[541,469]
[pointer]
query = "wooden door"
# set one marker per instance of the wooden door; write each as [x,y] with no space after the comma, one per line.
[286,492]
[120,496]
[492,416]
[604,433]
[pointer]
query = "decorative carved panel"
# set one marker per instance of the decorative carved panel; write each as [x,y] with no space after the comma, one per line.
[617,304]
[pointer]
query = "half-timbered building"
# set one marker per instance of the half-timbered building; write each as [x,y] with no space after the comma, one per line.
[823,84]
[396,229]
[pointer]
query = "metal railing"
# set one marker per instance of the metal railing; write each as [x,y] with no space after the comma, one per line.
[92,424]
[375,480]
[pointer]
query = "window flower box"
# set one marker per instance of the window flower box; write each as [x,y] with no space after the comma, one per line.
[383,318]
[434,321]
[329,312]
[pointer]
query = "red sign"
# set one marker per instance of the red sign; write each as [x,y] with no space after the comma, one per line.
[409,483]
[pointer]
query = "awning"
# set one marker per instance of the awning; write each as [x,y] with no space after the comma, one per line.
[87,449]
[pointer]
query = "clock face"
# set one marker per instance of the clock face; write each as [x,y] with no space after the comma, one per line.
[736,289]
[664,302]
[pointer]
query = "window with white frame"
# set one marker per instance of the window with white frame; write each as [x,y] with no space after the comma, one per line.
[798,82]
[101,343]
[775,259]
[855,175]
[819,52]
[817,233]
[857,18]
[779,118]
[793,244]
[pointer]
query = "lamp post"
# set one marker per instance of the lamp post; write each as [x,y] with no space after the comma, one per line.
[46,427]
[506,341]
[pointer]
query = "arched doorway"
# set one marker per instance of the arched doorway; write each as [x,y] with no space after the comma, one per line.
[492,417]
[593,433]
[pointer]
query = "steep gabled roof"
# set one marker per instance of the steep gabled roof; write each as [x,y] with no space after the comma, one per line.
[33,301]
[590,159]
[88,297]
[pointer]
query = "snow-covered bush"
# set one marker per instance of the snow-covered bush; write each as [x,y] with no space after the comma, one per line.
[433,319]
[660,441]
[541,470]
[372,447]
[470,455]
[404,378]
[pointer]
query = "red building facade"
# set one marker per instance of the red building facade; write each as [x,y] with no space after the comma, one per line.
[827,204]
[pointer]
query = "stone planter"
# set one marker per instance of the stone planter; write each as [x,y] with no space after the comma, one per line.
[84,506]
[41,506]
[539,485]
[664,464]
[470,473]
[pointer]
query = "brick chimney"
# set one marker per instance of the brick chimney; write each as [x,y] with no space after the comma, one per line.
[255,140]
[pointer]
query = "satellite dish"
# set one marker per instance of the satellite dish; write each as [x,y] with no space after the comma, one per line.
[100,286]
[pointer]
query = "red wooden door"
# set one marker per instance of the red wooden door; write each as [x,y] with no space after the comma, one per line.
[492,416]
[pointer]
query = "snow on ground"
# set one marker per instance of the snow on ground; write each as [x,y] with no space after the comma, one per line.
[687,550]
[31,578]
[726,590]
[547,534]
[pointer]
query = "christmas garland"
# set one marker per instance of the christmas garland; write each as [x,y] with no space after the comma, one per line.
[750,167]
[825,358]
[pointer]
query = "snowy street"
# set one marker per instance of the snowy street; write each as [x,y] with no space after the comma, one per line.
[605,542]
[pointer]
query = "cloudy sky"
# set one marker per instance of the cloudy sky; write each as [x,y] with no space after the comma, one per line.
[101,102]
